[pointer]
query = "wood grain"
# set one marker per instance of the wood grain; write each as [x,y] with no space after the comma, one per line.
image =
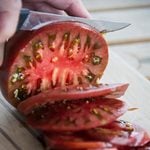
[5,144]
[15,130]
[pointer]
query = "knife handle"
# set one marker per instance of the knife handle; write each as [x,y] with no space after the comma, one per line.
[23,15]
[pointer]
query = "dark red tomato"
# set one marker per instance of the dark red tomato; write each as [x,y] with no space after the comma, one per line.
[71,93]
[76,115]
[120,133]
[74,142]
[144,147]
[57,55]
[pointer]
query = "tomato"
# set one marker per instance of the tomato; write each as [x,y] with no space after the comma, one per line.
[56,55]
[144,147]
[76,115]
[74,141]
[120,133]
[71,93]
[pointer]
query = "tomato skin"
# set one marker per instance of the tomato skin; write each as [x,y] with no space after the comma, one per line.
[144,147]
[74,141]
[22,38]
[120,133]
[72,93]
[81,141]
[10,53]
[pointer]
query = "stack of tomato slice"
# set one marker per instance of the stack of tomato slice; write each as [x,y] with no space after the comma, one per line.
[52,78]
[84,119]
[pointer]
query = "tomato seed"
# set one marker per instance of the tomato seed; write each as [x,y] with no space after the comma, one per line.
[20,69]
[96,60]
[66,36]
[17,77]
[38,45]
[37,53]
[29,61]
[90,76]
[129,127]
[20,93]
[76,40]
[54,59]
[70,53]
[107,110]
[38,57]
[95,111]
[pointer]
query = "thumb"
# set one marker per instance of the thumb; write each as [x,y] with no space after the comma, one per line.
[9,14]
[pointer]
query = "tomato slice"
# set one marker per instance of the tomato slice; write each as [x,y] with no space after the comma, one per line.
[56,55]
[71,93]
[74,141]
[144,147]
[76,115]
[120,133]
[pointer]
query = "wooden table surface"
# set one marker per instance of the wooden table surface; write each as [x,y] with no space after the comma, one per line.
[129,62]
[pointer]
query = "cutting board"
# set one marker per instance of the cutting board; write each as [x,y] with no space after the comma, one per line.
[15,135]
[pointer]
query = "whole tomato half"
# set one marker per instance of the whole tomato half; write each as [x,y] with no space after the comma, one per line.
[56,55]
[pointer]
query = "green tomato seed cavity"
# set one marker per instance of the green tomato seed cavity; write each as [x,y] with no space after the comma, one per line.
[96,60]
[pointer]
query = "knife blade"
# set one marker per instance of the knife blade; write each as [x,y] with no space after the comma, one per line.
[32,20]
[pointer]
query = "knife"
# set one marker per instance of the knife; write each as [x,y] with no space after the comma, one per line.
[32,20]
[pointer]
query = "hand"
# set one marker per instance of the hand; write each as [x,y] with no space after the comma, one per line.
[9,14]
[71,7]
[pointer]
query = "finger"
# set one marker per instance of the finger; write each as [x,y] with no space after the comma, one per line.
[44,7]
[9,14]
[78,9]
[72,7]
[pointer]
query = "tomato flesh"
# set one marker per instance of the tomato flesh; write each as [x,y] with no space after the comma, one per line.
[76,115]
[57,55]
[73,142]
[120,133]
[72,93]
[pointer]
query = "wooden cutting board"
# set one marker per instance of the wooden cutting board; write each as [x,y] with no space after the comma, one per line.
[15,135]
